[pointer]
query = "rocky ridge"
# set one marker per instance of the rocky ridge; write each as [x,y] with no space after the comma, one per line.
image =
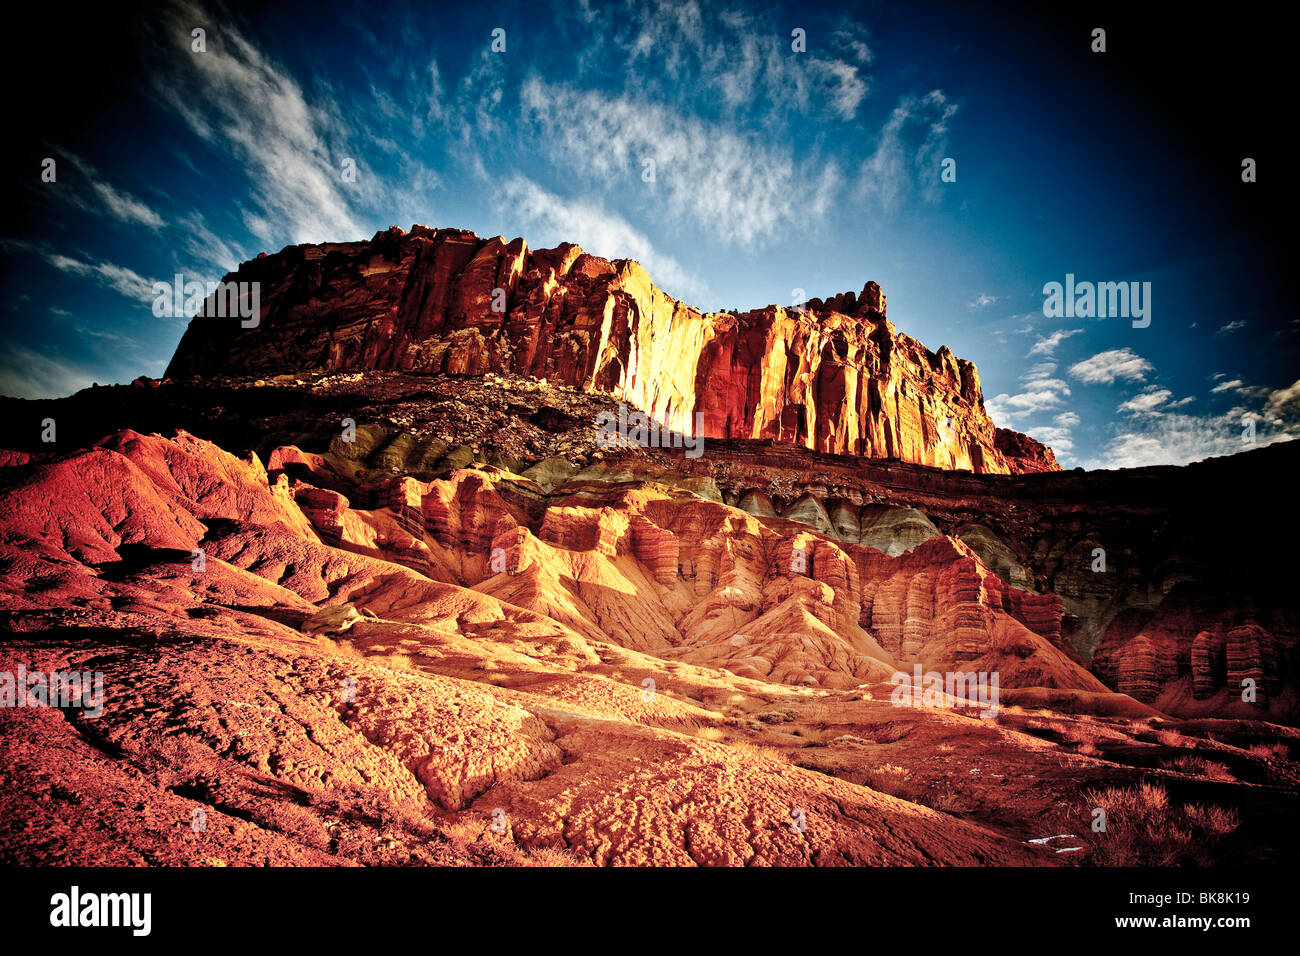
[833,375]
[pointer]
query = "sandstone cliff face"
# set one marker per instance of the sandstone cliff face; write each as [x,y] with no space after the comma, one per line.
[835,376]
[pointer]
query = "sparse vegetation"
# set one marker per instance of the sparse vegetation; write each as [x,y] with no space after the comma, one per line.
[760,751]
[1200,767]
[1171,738]
[1274,751]
[398,662]
[174,759]
[474,841]
[892,780]
[946,801]
[1144,828]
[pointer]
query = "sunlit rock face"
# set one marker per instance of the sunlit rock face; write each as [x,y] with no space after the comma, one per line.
[833,376]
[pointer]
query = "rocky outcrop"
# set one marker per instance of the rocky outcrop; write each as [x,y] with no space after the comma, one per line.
[1140,673]
[833,375]
[1203,651]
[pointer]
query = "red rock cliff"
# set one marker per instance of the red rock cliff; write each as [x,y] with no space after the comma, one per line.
[836,376]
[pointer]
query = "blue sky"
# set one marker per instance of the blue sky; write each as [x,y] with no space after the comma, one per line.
[774,171]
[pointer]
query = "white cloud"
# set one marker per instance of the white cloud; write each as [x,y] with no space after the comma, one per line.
[1162,437]
[118,278]
[851,39]
[982,300]
[1058,435]
[741,188]
[1047,346]
[739,59]
[209,248]
[845,89]
[28,374]
[1058,438]
[242,103]
[1146,401]
[1283,406]
[118,203]
[911,146]
[1231,327]
[1227,386]
[1104,368]
[598,231]
[1040,376]
[1041,393]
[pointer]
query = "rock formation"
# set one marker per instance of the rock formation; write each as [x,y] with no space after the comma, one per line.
[444,624]
[458,632]
[833,375]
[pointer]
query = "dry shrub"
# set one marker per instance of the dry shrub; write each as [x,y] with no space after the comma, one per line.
[1143,828]
[556,856]
[947,801]
[1200,767]
[473,841]
[892,780]
[752,750]
[1086,735]
[1213,820]
[1277,750]
[174,759]
[1083,735]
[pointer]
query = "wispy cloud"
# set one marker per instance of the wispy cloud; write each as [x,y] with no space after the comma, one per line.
[682,51]
[1042,392]
[1059,435]
[1047,346]
[89,190]
[1146,402]
[908,150]
[1165,437]
[598,231]
[120,279]
[25,373]
[245,105]
[737,187]
[1111,366]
